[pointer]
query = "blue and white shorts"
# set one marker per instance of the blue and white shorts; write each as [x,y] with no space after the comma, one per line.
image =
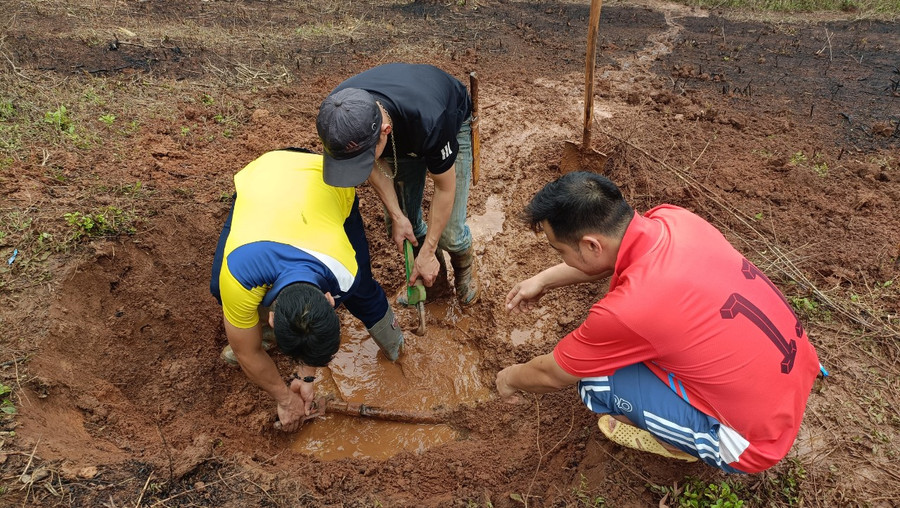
[638,394]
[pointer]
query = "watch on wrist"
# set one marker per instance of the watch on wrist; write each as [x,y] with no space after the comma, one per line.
[298,377]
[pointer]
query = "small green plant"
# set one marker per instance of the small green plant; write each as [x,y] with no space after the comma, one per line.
[798,159]
[87,224]
[818,164]
[10,141]
[7,110]
[105,222]
[44,240]
[60,119]
[6,406]
[803,304]
[758,216]
[135,189]
[185,131]
[695,493]
[584,497]
[207,99]
[108,119]
[56,173]
[91,95]
[786,483]
[18,221]
[809,308]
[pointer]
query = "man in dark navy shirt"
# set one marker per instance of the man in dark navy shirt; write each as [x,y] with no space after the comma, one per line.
[394,124]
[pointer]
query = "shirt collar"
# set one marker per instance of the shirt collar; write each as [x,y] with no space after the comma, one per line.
[641,236]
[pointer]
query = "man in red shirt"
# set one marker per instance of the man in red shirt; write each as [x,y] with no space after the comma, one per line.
[693,352]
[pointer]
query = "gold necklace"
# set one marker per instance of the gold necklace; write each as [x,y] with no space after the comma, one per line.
[379,162]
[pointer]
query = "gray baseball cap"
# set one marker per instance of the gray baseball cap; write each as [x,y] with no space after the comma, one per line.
[349,125]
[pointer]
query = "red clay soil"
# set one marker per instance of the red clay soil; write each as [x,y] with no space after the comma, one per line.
[784,135]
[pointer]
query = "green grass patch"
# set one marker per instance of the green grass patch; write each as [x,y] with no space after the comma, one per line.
[60,119]
[108,221]
[7,110]
[6,405]
[816,163]
[809,309]
[695,493]
[785,484]
[585,497]
[9,131]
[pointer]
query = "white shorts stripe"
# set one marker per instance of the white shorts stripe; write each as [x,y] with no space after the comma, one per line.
[592,384]
[724,451]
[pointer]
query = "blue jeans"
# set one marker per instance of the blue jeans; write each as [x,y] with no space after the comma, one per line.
[456,236]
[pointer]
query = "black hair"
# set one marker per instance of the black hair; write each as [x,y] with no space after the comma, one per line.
[306,326]
[578,203]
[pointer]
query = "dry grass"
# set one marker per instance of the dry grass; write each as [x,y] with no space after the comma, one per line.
[803,10]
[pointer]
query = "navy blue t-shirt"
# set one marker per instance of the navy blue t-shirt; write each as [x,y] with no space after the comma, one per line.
[427,108]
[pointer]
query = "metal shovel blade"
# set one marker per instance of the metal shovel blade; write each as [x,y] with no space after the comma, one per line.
[577,157]
[420,309]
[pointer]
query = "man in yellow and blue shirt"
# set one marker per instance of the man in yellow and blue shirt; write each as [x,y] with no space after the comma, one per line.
[295,246]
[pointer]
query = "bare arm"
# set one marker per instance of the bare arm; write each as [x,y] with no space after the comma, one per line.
[526,294]
[438,216]
[261,370]
[539,375]
[402,228]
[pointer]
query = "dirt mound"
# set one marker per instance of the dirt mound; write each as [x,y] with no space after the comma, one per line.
[785,136]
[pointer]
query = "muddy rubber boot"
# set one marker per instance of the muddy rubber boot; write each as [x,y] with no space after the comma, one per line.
[388,335]
[268,342]
[465,276]
[439,289]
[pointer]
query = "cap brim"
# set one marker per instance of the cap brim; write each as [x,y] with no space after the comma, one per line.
[348,172]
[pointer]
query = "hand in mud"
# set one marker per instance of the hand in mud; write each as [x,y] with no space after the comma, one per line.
[291,412]
[507,393]
[524,296]
[307,392]
[426,267]
[291,416]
